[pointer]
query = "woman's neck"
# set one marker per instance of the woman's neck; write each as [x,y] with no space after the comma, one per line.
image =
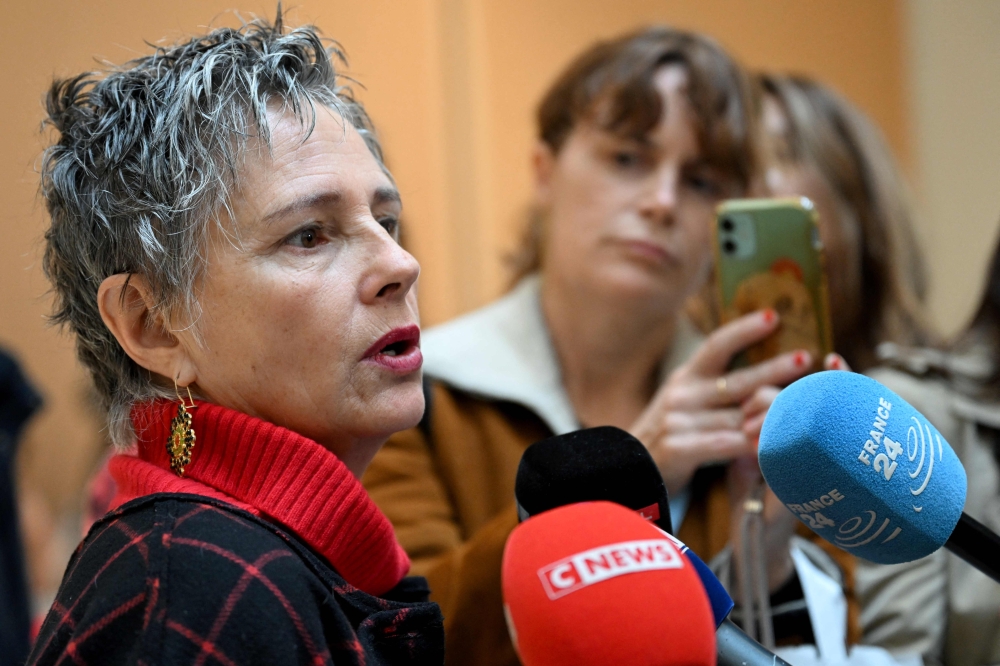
[610,351]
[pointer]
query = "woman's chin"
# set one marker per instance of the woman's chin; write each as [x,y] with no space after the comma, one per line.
[636,282]
[399,408]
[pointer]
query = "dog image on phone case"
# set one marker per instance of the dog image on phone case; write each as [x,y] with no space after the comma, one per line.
[782,290]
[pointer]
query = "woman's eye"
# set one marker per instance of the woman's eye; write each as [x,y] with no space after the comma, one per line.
[704,185]
[626,160]
[391,225]
[307,238]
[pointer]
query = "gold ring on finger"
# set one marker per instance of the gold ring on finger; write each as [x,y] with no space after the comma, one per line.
[721,386]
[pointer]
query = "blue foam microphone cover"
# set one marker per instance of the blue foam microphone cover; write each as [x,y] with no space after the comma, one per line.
[861,467]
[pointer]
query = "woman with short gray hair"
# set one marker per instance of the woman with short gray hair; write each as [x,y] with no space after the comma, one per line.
[223,246]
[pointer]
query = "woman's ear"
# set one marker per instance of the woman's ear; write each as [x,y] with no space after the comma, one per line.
[125,302]
[543,163]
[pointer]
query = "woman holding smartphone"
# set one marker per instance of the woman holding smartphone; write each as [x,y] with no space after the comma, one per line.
[823,148]
[640,138]
[828,151]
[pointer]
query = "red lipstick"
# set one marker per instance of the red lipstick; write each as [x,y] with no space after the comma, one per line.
[397,351]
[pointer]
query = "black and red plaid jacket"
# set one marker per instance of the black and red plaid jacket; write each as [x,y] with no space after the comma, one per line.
[266,551]
[185,579]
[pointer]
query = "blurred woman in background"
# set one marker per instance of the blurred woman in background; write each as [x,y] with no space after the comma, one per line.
[640,138]
[223,247]
[957,388]
[823,148]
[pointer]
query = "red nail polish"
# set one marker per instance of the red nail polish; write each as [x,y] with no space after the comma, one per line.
[769,315]
[835,363]
[799,359]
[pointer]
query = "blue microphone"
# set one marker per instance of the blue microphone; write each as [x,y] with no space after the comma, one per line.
[733,647]
[869,473]
[722,604]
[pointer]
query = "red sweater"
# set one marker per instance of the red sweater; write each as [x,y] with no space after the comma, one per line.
[273,473]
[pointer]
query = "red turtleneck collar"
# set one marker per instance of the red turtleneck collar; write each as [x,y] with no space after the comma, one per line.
[271,472]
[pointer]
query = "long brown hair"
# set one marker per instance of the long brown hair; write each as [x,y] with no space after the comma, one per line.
[611,84]
[828,133]
[981,340]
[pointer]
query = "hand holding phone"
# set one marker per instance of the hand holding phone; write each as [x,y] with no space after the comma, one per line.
[705,413]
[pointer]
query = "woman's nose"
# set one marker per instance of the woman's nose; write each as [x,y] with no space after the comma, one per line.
[660,202]
[392,274]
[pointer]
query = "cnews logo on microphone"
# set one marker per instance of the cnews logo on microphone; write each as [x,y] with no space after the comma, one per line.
[597,564]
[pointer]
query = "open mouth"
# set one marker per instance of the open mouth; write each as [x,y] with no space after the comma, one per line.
[396,342]
[398,350]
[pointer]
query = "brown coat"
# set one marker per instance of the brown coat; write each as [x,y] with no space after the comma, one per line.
[448,488]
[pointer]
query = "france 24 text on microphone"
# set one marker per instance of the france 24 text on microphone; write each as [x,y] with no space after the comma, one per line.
[869,473]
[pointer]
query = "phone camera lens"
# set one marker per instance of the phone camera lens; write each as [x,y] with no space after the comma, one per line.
[727,224]
[729,247]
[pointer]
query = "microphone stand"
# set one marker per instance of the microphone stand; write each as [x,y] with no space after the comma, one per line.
[976,544]
[733,648]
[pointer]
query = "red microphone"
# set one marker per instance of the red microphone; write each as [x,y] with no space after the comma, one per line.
[593,583]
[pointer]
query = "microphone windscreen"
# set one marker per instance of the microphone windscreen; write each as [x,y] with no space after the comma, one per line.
[594,464]
[861,467]
[593,583]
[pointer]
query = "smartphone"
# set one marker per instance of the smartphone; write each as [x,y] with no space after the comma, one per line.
[768,254]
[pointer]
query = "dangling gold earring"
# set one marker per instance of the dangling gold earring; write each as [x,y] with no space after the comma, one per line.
[180,441]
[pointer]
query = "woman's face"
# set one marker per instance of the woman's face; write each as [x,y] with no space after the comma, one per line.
[628,217]
[297,300]
[838,229]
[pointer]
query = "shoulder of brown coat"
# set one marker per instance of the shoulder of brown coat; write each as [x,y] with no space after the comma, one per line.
[929,392]
[457,414]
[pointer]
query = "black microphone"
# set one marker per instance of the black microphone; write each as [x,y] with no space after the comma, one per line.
[604,463]
[609,464]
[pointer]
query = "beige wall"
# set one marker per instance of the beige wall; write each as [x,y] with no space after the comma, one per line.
[954,55]
[451,84]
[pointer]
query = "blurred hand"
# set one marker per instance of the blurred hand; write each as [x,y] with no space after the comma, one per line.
[703,414]
[744,475]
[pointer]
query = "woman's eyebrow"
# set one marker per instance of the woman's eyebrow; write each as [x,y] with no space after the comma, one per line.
[325,199]
[702,162]
[303,203]
[386,195]
[638,141]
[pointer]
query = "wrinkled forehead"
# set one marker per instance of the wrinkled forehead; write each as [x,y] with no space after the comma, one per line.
[287,135]
[304,158]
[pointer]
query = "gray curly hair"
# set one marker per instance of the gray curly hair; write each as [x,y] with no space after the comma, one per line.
[147,155]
